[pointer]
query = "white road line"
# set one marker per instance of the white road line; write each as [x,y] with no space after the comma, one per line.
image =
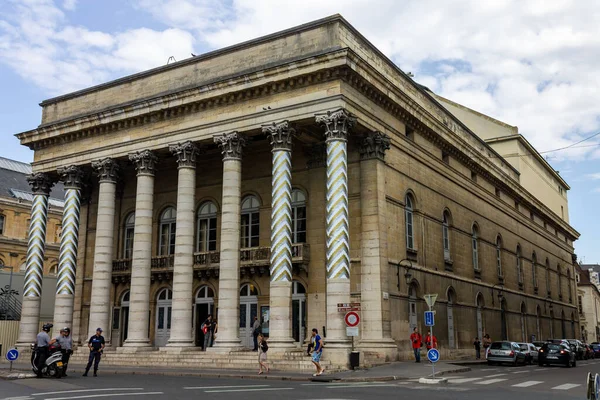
[91,396]
[490,381]
[519,372]
[84,390]
[360,386]
[566,386]
[341,383]
[463,380]
[494,376]
[246,390]
[527,383]
[225,387]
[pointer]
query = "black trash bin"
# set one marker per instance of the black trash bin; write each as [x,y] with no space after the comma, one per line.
[354,359]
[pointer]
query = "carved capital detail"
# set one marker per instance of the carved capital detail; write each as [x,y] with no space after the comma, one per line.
[186,153]
[280,134]
[107,169]
[144,161]
[72,176]
[337,123]
[374,145]
[231,144]
[40,183]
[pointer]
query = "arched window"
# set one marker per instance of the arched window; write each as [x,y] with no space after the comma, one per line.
[475,246]
[499,256]
[167,232]
[298,217]
[205,292]
[408,215]
[53,270]
[519,268]
[548,290]
[569,285]
[250,222]
[128,232]
[534,272]
[1,224]
[248,289]
[206,239]
[446,234]
[559,273]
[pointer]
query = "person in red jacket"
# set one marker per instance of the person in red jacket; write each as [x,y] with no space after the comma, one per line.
[430,341]
[416,340]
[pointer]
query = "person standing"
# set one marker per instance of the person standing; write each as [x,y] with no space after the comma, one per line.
[263,347]
[430,341]
[96,345]
[417,343]
[66,347]
[487,341]
[256,332]
[208,328]
[477,345]
[317,352]
[41,352]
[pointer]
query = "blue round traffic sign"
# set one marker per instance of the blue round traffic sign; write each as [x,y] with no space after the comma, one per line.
[433,355]
[12,355]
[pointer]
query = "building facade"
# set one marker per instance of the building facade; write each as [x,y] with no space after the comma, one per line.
[285,176]
[588,301]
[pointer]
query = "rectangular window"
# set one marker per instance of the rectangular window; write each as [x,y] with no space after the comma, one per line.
[116,318]
[519,271]
[499,261]
[410,243]
[1,224]
[207,234]
[534,274]
[580,302]
[446,242]
[299,228]
[167,239]
[250,229]
[475,254]
[128,246]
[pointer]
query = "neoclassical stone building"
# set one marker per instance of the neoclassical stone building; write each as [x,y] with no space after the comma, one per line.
[283,176]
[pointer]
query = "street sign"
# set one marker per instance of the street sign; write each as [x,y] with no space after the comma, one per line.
[433,355]
[346,309]
[340,305]
[352,319]
[351,331]
[430,299]
[429,318]
[12,355]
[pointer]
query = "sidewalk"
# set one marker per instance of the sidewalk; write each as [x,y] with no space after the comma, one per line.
[394,371]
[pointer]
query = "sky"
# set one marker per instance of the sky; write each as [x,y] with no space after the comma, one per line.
[529,63]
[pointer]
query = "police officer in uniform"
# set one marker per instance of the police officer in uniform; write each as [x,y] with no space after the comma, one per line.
[43,342]
[96,345]
[66,346]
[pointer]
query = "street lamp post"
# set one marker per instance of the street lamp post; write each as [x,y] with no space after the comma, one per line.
[407,274]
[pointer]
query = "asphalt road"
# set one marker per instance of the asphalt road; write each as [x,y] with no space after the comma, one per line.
[495,383]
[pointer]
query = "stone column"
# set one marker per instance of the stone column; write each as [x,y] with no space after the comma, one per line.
[337,123]
[139,303]
[107,170]
[32,290]
[375,325]
[183,272]
[231,145]
[280,299]
[67,259]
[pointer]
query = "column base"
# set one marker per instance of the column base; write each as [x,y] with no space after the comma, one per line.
[30,321]
[135,343]
[337,352]
[174,348]
[180,343]
[378,351]
[281,345]
[226,346]
[132,350]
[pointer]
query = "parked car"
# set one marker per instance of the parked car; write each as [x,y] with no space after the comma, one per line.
[589,353]
[596,349]
[505,352]
[579,348]
[556,353]
[531,352]
[538,345]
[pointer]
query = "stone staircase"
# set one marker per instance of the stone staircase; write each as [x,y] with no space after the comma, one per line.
[295,361]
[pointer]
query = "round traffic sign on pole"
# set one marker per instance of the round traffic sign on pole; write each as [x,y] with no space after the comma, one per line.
[352,319]
[12,355]
[433,355]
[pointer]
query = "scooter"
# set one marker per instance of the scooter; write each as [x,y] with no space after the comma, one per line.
[53,366]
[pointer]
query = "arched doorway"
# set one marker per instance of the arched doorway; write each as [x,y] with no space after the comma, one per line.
[412,306]
[450,316]
[164,302]
[298,312]
[538,331]
[479,316]
[205,304]
[523,323]
[248,311]
[124,316]
[503,325]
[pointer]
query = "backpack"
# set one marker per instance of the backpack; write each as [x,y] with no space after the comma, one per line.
[264,346]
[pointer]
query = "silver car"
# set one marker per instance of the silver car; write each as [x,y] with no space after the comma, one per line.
[531,352]
[505,352]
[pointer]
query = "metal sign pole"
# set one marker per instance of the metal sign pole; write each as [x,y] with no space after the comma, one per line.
[10,369]
[431,338]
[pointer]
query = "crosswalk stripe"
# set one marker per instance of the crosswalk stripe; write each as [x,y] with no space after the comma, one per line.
[463,380]
[494,376]
[527,383]
[490,381]
[519,372]
[566,386]
[224,387]
[247,390]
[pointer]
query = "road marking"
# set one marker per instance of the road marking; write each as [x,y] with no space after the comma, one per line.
[566,386]
[247,390]
[224,387]
[90,396]
[340,383]
[519,372]
[463,380]
[490,381]
[84,390]
[494,376]
[527,383]
[360,386]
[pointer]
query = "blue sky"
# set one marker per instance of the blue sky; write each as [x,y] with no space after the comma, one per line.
[529,63]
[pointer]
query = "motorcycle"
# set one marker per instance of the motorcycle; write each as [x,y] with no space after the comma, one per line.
[53,366]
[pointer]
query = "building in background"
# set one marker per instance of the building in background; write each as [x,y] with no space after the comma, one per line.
[286,175]
[588,300]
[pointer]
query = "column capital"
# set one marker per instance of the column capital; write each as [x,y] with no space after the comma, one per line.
[144,162]
[40,183]
[72,176]
[280,134]
[374,146]
[107,169]
[337,123]
[186,153]
[231,144]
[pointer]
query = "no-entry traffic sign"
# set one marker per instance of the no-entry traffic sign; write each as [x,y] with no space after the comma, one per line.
[352,319]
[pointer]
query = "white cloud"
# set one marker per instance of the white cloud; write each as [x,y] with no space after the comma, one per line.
[69,4]
[594,177]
